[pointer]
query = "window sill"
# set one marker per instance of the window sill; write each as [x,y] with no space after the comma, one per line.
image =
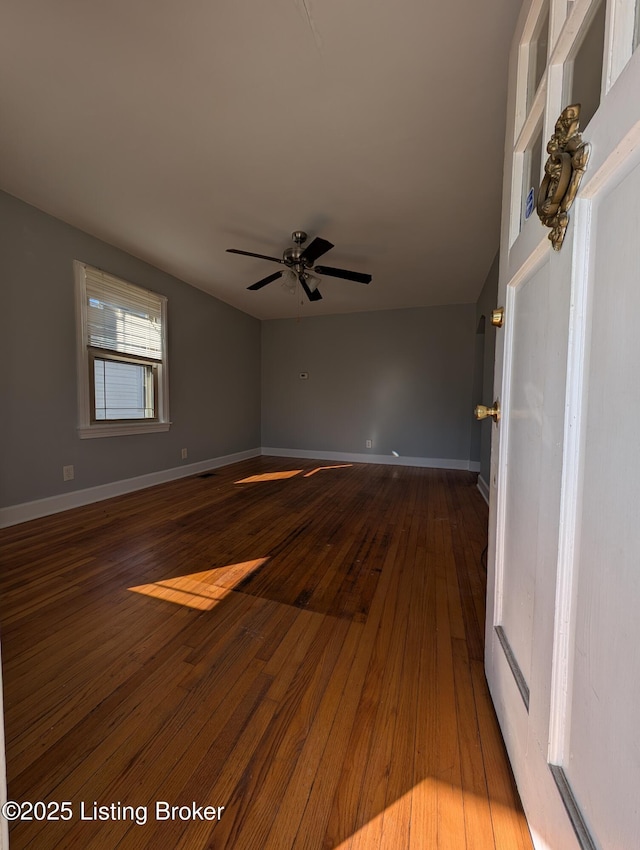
[120,429]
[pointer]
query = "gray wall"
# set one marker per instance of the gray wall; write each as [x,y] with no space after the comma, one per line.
[402,378]
[214,366]
[485,304]
[405,379]
[478,381]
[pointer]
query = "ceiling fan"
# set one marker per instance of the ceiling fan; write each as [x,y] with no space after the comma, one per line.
[299,263]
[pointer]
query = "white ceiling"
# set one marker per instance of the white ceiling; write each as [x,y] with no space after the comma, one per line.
[174,130]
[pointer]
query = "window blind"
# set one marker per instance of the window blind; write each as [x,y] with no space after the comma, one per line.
[123,317]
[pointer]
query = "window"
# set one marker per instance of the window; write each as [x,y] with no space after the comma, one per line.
[122,363]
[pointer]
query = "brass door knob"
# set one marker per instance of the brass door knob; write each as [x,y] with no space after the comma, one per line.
[482,412]
[497,317]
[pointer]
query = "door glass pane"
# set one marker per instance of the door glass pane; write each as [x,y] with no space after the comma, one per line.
[538,49]
[587,69]
[531,181]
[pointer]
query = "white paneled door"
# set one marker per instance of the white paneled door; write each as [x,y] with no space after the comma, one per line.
[563,626]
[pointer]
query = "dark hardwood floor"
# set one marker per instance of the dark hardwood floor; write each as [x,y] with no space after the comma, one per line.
[298,642]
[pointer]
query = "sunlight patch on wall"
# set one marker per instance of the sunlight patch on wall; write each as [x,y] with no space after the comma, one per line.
[203,590]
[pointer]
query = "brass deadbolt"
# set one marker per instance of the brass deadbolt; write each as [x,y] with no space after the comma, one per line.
[482,412]
[497,317]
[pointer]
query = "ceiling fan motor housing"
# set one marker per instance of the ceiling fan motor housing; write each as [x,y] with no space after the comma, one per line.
[291,256]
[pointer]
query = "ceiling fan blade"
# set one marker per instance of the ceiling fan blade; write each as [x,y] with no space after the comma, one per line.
[251,254]
[343,273]
[312,296]
[315,249]
[265,281]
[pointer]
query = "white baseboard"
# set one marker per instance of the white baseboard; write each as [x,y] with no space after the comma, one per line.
[483,487]
[392,460]
[55,504]
[15,514]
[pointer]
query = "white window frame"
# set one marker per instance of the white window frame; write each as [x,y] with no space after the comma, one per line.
[88,427]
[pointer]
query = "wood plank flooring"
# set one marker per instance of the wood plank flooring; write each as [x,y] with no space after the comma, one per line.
[297,641]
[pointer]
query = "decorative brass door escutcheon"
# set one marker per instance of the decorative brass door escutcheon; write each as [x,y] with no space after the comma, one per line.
[482,412]
[497,317]
[563,171]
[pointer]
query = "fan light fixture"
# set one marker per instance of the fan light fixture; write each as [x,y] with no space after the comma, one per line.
[290,281]
[291,278]
[312,281]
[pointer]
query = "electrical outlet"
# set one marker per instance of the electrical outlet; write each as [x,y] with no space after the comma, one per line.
[67,473]
[368,444]
[184,454]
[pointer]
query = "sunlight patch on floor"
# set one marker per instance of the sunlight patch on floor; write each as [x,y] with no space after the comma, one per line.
[373,833]
[416,817]
[270,476]
[320,468]
[203,590]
